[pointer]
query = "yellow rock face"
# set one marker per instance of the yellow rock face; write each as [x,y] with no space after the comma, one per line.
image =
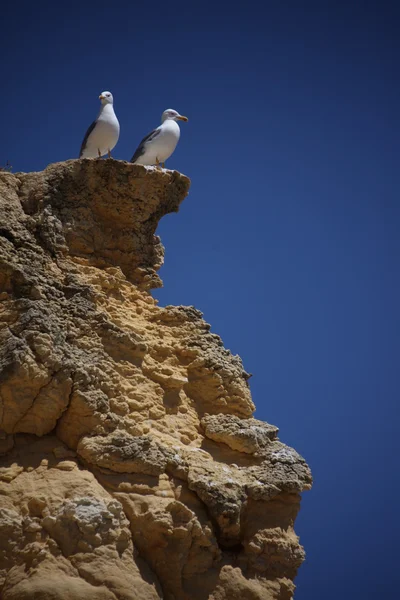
[132,467]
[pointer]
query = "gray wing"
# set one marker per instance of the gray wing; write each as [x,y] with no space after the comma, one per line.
[85,139]
[141,148]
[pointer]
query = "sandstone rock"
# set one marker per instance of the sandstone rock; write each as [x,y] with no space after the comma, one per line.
[124,453]
[131,466]
[249,435]
[64,528]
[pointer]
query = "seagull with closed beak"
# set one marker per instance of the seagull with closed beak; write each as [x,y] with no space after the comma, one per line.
[157,146]
[102,136]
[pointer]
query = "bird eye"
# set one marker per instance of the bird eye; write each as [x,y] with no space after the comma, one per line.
[108,95]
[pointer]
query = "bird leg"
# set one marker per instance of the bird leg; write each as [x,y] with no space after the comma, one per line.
[163,165]
[109,153]
[158,163]
[98,150]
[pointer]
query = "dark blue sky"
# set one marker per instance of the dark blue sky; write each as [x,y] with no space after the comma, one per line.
[289,239]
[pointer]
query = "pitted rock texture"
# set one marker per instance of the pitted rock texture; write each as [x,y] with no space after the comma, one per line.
[130,464]
[249,436]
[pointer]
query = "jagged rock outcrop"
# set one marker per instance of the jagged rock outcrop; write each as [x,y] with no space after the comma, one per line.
[131,465]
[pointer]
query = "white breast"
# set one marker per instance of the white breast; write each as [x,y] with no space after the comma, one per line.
[163,145]
[105,135]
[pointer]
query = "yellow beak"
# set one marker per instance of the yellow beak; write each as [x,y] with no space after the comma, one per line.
[101,97]
[182,118]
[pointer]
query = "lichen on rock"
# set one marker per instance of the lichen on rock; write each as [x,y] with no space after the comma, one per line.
[130,464]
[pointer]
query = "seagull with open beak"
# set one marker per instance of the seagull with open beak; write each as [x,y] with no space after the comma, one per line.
[157,146]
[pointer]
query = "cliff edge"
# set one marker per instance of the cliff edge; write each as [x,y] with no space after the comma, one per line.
[131,467]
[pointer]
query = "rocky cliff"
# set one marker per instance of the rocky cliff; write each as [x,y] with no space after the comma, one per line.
[131,467]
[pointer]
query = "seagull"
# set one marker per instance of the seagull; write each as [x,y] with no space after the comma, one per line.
[103,134]
[157,146]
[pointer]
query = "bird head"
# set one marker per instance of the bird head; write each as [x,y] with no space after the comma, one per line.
[106,98]
[173,115]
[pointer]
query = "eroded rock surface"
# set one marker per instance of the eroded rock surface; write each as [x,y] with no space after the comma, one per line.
[131,466]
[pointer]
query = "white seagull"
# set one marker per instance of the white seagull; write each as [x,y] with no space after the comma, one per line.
[157,146]
[102,136]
